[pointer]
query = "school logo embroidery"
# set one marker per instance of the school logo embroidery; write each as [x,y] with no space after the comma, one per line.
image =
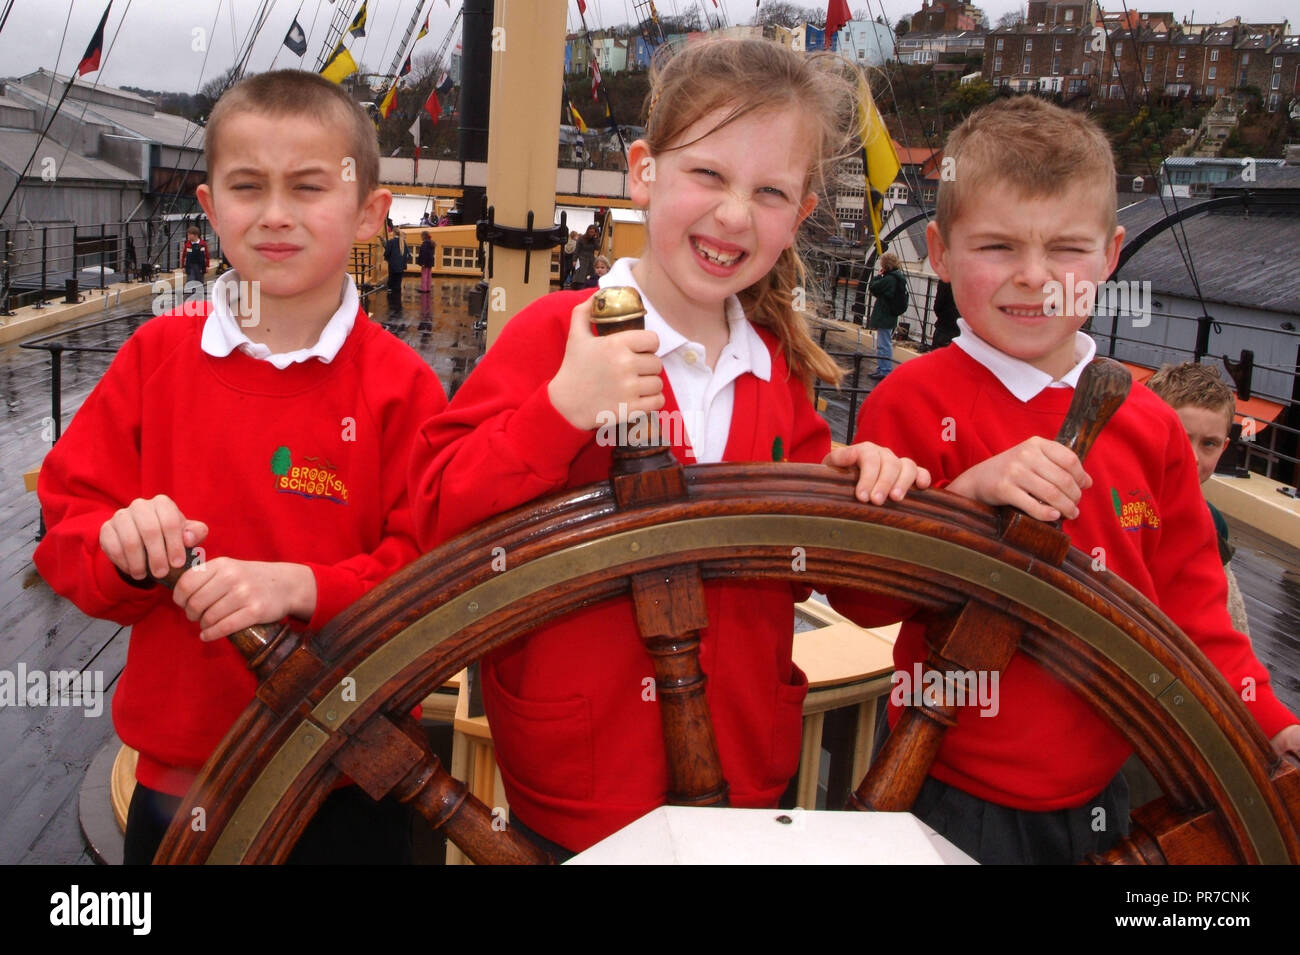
[1137,513]
[316,477]
[778,449]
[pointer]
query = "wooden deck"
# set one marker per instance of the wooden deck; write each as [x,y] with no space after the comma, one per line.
[44,752]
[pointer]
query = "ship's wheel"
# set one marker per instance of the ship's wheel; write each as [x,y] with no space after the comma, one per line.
[338,703]
[989,583]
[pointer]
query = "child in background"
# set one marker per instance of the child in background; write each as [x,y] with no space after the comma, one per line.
[739,136]
[599,270]
[195,256]
[272,430]
[1033,204]
[424,259]
[1205,406]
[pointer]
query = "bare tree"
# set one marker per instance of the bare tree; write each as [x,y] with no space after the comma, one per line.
[784,14]
[1012,18]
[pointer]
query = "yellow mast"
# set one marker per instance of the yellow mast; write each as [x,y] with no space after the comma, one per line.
[523,129]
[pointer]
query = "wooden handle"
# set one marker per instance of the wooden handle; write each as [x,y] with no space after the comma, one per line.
[1102,388]
[640,446]
[254,642]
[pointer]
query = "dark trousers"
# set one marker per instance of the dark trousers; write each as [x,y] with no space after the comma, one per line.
[557,852]
[194,272]
[350,828]
[998,835]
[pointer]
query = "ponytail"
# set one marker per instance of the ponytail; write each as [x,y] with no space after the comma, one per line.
[769,302]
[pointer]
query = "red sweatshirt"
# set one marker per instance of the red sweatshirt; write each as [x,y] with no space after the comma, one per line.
[305,464]
[581,751]
[1046,748]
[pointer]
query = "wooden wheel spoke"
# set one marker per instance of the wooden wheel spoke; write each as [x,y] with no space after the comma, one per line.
[387,757]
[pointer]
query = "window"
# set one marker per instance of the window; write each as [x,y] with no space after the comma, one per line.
[1272,103]
[1214,56]
[998,45]
[1069,15]
[1029,45]
[1151,52]
[1114,70]
[1026,67]
[1179,74]
[1146,75]
[1277,62]
[458,257]
[1182,53]
[1056,44]
[1245,58]
[1119,48]
[1277,82]
[1087,67]
[1213,71]
[1056,66]
[997,64]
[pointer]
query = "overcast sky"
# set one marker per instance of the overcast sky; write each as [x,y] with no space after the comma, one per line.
[166,45]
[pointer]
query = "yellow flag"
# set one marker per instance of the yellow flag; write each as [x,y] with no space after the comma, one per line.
[389,101]
[340,65]
[880,162]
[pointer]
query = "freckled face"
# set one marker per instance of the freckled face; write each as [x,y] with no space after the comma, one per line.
[1208,431]
[1004,249]
[286,214]
[721,210]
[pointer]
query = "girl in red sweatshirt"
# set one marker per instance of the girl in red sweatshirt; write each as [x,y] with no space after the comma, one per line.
[737,137]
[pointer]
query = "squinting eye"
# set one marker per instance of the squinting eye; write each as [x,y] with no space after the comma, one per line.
[772,191]
[706,172]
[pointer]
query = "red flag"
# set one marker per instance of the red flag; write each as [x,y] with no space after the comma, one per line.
[90,61]
[595,81]
[837,14]
[433,106]
[582,7]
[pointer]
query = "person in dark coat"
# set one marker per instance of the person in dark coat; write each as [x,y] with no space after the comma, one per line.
[424,259]
[890,290]
[395,257]
[585,254]
[945,317]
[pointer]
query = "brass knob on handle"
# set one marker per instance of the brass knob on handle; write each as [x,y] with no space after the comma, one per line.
[617,309]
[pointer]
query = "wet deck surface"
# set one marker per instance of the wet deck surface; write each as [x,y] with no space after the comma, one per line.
[44,752]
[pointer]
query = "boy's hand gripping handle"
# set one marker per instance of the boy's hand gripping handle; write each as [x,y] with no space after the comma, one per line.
[979,637]
[254,643]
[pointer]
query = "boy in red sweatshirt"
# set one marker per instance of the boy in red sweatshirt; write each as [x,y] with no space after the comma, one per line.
[1024,231]
[271,431]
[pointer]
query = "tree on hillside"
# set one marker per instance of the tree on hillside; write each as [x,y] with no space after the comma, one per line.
[688,22]
[784,14]
[1012,18]
[903,25]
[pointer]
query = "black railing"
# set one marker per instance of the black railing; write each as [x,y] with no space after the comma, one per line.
[41,259]
[56,345]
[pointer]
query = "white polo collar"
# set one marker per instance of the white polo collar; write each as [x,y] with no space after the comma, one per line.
[1019,377]
[751,353]
[222,332]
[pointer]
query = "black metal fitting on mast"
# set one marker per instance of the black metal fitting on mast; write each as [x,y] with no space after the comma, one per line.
[526,239]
